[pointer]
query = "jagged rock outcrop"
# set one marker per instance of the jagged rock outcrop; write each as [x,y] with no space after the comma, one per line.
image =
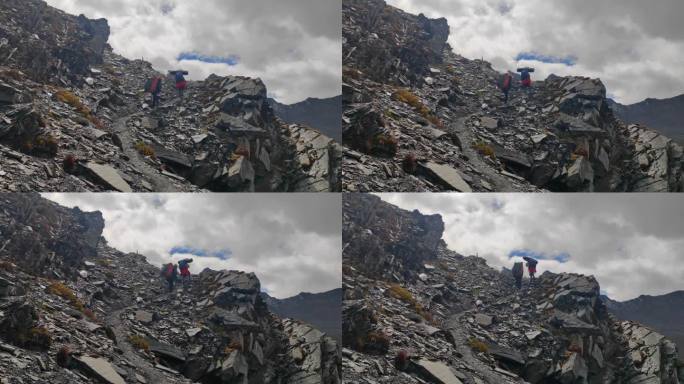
[419,117]
[73,118]
[388,242]
[462,321]
[45,238]
[114,321]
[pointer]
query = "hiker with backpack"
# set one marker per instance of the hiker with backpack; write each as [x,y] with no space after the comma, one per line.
[531,266]
[153,86]
[181,84]
[170,273]
[525,76]
[505,84]
[184,266]
[518,274]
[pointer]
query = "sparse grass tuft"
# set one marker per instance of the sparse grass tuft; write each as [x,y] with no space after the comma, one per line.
[351,73]
[66,293]
[407,97]
[385,145]
[63,357]
[234,345]
[410,163]
[145,149]
[139,342]
[478,345]
[6,266]
[484,149]
[75,102]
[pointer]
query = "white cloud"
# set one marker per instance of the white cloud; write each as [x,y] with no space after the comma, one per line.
[631,243]
[635,47]
[291,241]
[294,46]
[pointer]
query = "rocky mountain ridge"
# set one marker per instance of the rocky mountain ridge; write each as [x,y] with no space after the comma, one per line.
[321,310]
[427,314]
[663,313]
[74,117]
[99,315]
[321,114]
[420,117]
[664,115]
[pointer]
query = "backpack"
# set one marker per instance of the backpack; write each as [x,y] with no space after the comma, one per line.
[179,77]
[506,81]
[148,86]
[518,269]
[168,271]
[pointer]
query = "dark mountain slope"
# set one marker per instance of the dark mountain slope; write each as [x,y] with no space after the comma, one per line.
[322,310]
[664,115]
[663,313]
[321,114]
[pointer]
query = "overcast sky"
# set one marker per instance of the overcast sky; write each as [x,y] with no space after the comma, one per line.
[632,243]
[293,45]
[291,241]
[636,47]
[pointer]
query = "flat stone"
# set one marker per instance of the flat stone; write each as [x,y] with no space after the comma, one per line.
[101,369]
[447,176]
[437,372]
[108,176]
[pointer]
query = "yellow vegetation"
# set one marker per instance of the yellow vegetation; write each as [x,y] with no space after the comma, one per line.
[145,149]
[484,149]
[478,345]
[66,293]
[139,342]
[75,102]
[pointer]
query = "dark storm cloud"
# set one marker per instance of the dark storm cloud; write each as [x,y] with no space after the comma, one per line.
[631,242]
[293,45]
[292,242]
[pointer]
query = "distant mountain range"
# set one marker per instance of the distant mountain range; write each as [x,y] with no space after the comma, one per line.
[663,313]
[322,310]
[321,114]
[665,116]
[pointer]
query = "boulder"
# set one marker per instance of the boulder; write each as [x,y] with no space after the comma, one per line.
[99,368]
[445,175]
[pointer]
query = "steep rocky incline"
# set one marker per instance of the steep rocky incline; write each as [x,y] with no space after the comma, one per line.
[419,117]
[98,315]
[456,320]
[74,117]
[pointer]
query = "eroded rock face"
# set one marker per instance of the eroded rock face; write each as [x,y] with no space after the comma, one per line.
[38,44]
[45,238]
[387,241]
[463,321]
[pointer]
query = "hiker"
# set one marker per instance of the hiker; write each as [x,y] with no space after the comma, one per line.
[531,266]
[518,274]
[506,82]
[154,87]
[525,76]
[170,273]
[181,84]
[184,266]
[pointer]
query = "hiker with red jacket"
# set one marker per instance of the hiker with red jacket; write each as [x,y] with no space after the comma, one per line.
[525,76]
[154,87]
[170,273]
[185,270]
[181,84]
[531,266]
[506,82]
